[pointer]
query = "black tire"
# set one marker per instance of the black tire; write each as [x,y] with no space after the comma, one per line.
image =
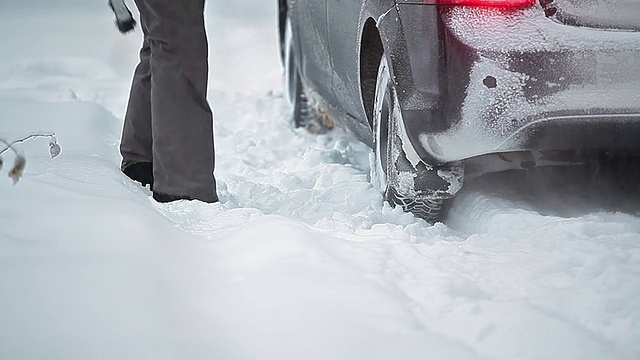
[303,113]
[293,83]
[417,188]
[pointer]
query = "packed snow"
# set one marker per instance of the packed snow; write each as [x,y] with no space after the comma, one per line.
[301,259]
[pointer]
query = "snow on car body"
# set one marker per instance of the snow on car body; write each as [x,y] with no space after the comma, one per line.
[434,85]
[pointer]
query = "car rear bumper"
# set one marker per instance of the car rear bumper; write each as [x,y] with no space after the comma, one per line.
[520,81]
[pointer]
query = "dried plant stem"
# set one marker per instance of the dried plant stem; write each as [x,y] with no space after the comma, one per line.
[10,145]
[15,173]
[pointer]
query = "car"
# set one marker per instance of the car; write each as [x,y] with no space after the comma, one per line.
[447,90]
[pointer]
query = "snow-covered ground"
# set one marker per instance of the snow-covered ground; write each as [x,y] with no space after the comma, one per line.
[301,259]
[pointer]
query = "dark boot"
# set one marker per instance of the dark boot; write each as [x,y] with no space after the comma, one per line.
[166,198]
[141,172]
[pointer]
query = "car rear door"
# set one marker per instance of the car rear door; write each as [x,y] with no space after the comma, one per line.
[311,25]
[343,22]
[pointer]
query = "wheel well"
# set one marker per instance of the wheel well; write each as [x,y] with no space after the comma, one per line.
[371,51]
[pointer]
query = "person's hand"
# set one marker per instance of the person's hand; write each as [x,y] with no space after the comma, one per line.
[124,19]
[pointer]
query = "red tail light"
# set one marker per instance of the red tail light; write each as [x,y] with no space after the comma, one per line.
[503,3]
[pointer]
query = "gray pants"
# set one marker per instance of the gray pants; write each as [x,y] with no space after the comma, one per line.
[169,122]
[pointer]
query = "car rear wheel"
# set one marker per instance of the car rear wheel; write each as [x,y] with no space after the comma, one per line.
[302,113]
[419,189]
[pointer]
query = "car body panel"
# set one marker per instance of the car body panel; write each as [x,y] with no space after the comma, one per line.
[344,33]
[478,80]
[310,27]
[529,69]
[598,14]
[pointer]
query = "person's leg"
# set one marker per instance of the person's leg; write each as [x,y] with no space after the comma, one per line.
[136,145]
[182,121]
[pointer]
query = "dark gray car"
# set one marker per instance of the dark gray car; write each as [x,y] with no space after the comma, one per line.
[447,89]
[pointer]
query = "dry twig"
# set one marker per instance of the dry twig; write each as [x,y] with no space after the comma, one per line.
[20,163]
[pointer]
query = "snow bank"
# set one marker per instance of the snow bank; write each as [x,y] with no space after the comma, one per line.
[301,259]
